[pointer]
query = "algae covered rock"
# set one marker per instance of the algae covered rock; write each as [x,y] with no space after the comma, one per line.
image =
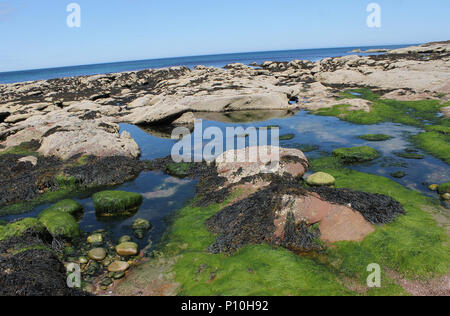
[356,154]
[444,188]
[67,206]
[320,179]
[18,228]
[179,170]
[375,137]
[60,224]
[140,227]
[116,203]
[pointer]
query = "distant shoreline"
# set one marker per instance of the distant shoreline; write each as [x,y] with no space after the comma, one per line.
[217,60]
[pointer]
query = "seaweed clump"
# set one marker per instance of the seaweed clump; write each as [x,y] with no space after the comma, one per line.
[30,267]
[252,219]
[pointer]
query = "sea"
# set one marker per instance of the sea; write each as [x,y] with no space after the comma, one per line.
[219,60]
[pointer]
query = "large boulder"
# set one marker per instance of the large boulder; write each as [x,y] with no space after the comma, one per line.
[235,165]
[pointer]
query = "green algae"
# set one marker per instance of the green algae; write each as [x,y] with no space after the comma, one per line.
[60,224]
[435,143]
[116,203]
[179,170]
[356,154]
[66,206]
[414,246]
[16,229]
[375,137]
[287,137]
[444,188]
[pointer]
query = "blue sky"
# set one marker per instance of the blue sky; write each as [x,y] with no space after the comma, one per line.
[34,33]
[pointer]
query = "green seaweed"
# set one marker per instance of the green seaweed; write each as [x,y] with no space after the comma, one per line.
[435,143]
[116,203]
[66,206]
[356,154]
[287,137]
[444,188]
[16,229]
[375,137]
[180,170]
[60,224]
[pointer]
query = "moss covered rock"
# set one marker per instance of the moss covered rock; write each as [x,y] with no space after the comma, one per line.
[116,203]
[16,229]
[179,170]
[321,179]
[375,137]
[356,154]
[140,227]
[67,206]
[444,188]
[60,224]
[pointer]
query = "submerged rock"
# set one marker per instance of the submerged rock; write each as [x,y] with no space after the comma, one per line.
[116,203]
[356,154]
[95,239]
[140,227]
[444,188]
[66,206]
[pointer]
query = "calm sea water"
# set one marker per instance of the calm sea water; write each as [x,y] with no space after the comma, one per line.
[209,60]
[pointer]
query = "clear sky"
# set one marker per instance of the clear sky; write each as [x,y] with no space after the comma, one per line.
[34,33]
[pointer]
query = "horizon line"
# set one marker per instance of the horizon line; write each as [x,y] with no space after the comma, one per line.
[201,55]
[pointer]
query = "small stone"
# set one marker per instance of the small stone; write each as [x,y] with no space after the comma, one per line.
[119,275]
[106,282]
[127,249]
[118,266]
[446,196]
[83,260]
[31,159]
[95,239]
[97,254]
[124,239]
[398,174]
[321,179]
[141,223]
[433,187]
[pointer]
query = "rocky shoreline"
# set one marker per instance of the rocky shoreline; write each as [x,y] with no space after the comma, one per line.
[62,136]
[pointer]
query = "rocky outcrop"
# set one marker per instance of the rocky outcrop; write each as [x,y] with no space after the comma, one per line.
[78,115]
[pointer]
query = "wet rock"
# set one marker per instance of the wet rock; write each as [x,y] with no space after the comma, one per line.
[433,187]
[124,239]
[398,174]
[97,254]
[118,266]
[446,196]
[95,239]
[140,227]
[83,260]
[321,178]
[116,203]
[127,249]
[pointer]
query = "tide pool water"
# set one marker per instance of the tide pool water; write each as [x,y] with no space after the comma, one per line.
[163,195]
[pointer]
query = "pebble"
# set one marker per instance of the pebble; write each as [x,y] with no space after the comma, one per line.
[97,254]
[127,249]
[124,239]
[118,266]
[95,239]
[83,260]
[433,187]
